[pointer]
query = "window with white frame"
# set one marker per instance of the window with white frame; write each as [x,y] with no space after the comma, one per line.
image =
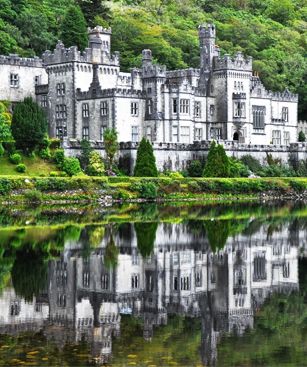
[61,129]
[104,108]
[175,105]
[197,109]
[14,80]
[60,111]
[105,281]
[185,134]
[44,100]
[239,109]
[175,134]
[258,117]
[276,137]
[85,110]
[216,133]
[148,132]
[185,283]
[149,106]
[134,134]
[85,133]
[60,89]
[135,281]
[185,106]
[285,114]
[286,137]
[198,134]
[134,108]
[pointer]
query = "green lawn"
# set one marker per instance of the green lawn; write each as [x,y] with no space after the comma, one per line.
[35,167]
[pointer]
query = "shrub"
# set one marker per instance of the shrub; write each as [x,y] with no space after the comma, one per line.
[145,165]
[301,137]
[252,163]
[34,196]
[9,146]
[169,187]
[45,143]
[298,185]
[146,189]
[217,164]
[15,158]
[53,183]
[71,166]
[237,168]
[194,187]
[5,186]
[45,153]
[54,143]
[1,150]
[195,169]
[21,168]
[54,174]
[96,166]
[59,157]
[175,175]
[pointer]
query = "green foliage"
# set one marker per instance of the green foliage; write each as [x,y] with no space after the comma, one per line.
[111,254]
[146,189]
[21,168]
[15,158]
[86,150]
[73,29]
[55,143]
[71,166]
[111,145]
[237,168]
[1,150]
[217,164]
[145,165]
[301,137]
[252,163]
[146,235]
[45,153]
[59,157]
[29,125]
[6,186]
[33,196]
[96,166]
[5,124]
[195,169]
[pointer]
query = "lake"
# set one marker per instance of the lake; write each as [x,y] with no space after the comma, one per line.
[177,284]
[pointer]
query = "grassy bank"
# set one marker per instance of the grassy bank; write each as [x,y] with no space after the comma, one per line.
[45,189]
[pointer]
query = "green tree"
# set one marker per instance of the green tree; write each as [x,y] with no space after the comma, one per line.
[86,150]
[145,165]
[96,166]
[29,125]
[146,235]
[5,126]
[111,145]
[217,164]
[301,137]
[74,29]
[93,8]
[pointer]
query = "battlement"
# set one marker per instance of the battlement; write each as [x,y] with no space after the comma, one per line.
[206,30]
[238,62]
[284,96]
[16,60]
[110,93]
[183,73]
[154,70]
[99,29]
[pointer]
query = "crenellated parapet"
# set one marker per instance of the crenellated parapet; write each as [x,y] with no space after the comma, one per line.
[16,60]
[285,96]
[183,73]
[114,92]
[238,62]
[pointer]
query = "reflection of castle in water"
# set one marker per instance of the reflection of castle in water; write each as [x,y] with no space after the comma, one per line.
[182,276]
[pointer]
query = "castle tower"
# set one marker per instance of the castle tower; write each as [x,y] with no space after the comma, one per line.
[208,50]
[100,38]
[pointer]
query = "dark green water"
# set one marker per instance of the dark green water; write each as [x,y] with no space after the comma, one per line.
[154,285]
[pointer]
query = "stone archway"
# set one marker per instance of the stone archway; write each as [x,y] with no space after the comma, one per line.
[236,136]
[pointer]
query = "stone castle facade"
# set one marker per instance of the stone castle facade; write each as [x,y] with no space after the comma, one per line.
[85,92]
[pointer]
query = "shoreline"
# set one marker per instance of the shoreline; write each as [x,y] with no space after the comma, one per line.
[111,190]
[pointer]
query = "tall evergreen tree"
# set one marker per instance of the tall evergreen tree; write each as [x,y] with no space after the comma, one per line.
[93,8]
[74,29]
[29,125]
[145,165]
[110,145]
[146,236]
[217,164]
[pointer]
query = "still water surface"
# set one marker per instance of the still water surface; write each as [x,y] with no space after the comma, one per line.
[148,285]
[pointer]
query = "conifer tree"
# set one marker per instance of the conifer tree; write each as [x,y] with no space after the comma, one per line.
[145,165]
[110,145]
[29,125]
[217,164]
[74,29]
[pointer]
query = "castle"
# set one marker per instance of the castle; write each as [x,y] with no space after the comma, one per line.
[85,93]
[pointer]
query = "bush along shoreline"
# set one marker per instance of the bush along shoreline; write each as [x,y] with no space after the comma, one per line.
[117,189]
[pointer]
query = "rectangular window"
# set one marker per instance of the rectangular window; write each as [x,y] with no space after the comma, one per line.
[211,110]
[85,133]
[185,134]
[14,80]
[148,133]
[134,108]
[276,137]
[198,134]
[197,109]
[60,111]
[105,281]
[102,129]
[286,138]
[239,109]
[37,80]
[135,281]
[61,129]
[185,283]
[175,284]
[185,106]
[104,108]
[134,134]
[175,105]
[198,277]
[85,110]
[175,134]
[216,133]
[60,89]
[86,279]
[258,117]
[43,100]
[285,114]
[149,106]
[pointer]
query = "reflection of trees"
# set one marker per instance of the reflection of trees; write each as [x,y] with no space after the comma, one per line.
[111,254]
[29,272]
[146,235]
